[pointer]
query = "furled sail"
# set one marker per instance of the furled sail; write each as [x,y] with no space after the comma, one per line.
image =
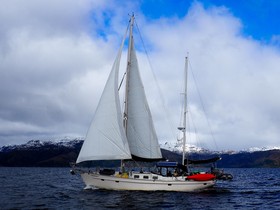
[141,133]
[106,139]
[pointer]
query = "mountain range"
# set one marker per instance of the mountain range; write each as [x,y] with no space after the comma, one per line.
[36,153]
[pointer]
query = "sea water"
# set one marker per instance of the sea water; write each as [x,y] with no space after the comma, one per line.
[56,188]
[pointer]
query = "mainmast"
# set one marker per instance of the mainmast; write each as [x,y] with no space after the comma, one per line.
[128,70]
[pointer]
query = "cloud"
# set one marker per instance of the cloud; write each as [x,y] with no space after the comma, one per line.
[55,58]
[237,76]
[47,54]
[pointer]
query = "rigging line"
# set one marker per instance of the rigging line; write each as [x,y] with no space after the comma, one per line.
[182,110]
[121,81]
[203,107]
[189,130]
[123,99]
[123,78]
[195,130]
[171,124]
[124,72]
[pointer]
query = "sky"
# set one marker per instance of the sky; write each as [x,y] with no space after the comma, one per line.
[55,57]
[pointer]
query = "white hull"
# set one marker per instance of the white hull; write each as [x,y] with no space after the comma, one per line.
[95,180]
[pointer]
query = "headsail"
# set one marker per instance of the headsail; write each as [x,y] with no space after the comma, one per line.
[141,135]
[106,139]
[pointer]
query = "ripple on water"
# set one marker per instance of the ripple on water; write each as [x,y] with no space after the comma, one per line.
[55,188]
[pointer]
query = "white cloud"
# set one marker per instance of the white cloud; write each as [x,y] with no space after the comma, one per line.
[237,76]
[55,57]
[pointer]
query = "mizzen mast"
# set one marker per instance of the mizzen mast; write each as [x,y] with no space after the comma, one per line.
[183,129]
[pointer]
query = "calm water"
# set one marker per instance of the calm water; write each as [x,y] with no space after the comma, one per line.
[56,188]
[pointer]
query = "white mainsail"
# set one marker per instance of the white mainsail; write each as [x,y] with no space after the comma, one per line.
[106,139]
[141,133]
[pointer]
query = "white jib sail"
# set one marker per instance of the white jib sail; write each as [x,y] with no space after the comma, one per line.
[141,133]
[106,139]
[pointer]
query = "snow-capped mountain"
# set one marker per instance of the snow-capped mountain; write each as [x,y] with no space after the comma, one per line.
[32,144]
[60,153]
[256,149]
[174,147]
[177,147]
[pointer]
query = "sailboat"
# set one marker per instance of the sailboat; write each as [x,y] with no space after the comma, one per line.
[130,135]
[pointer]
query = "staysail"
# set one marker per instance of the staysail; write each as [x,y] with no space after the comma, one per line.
[141,135]
[106,139]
